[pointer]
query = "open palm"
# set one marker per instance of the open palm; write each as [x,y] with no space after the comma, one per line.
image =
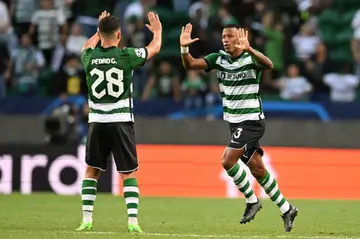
[155,24]
[243,41]
[185,37]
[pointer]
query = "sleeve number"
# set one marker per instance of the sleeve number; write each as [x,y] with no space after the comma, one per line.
[111,82]
[237,133]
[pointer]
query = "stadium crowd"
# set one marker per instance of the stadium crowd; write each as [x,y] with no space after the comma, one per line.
[41,41]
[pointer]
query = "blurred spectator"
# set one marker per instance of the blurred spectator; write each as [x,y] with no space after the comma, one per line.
[193,86]
[4,63]
[27,62]
[200,47]
[212,96]
[355,45]
[342,84]
[311,54]
[226,17]
[181,5]
[293,86]
[59,54]
[7,35]
[138,8]
[22,12]
[65,7]
[75,40]
[274,44]
[204,7]
[164,83]
[119,10]
[306,43]
[70,80]
[137,35]
[48,22]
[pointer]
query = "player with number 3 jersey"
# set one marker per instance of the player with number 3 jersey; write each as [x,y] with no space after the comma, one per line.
[239,69]
[109,71]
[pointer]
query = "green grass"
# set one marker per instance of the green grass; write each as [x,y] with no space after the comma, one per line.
[51,216]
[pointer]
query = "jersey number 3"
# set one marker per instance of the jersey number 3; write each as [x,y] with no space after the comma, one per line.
[111,82]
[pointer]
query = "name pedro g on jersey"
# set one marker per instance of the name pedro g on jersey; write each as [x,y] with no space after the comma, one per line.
[109,78]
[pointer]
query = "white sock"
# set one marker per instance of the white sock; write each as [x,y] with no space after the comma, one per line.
[251,199]
[87,217]
[242,182]
[133,220]
[285,207]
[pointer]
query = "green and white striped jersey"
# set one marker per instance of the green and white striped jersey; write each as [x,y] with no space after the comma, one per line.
[109,74]
[239,85]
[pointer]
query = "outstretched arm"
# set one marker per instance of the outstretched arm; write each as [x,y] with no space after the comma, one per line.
[93,41]
[188,61]
[156,28]
[244,45]
[263,60]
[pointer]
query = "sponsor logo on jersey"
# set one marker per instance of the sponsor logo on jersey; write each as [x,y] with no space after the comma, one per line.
[232,76]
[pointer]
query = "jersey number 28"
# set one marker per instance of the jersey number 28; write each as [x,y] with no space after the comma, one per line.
[111,82]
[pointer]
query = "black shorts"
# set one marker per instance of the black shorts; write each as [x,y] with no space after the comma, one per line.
[246,135]
[116,138]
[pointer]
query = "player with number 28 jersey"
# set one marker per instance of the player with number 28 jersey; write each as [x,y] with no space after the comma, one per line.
[109,77]
[109,71]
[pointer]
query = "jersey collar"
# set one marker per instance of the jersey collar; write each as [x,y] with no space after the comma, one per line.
[107,48]
[229,57]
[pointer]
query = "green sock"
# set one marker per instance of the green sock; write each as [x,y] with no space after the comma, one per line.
[88,196]
[241,181]
[272,190]
[131,195]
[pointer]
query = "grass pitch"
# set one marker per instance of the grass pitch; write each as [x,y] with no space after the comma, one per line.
[51,216]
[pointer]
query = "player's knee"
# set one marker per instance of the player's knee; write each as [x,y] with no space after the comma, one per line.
[92,173]
[228,161]
[128,175]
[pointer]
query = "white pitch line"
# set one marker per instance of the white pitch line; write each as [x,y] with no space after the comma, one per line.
[214,236]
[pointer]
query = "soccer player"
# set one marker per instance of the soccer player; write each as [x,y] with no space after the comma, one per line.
[111,121]
[239,68]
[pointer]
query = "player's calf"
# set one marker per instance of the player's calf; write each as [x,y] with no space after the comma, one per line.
[88,196]
[271,188]
[131,196]
[229,162]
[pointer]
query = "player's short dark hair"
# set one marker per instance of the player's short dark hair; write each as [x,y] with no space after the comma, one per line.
[231,25]
[109,25]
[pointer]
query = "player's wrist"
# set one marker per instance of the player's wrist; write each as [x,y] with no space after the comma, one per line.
[184,49]
[249,50]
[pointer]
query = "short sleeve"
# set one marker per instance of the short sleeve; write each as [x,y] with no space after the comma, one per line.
[35,18]
[85,55]
[211,61]
[137,56]
[328,79]
[61,17]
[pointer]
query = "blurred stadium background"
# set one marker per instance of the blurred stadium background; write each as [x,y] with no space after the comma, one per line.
[311,101]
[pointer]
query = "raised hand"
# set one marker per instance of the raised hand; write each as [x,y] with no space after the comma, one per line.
[155,24]
[243,41]
[185,37]
[103,15]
